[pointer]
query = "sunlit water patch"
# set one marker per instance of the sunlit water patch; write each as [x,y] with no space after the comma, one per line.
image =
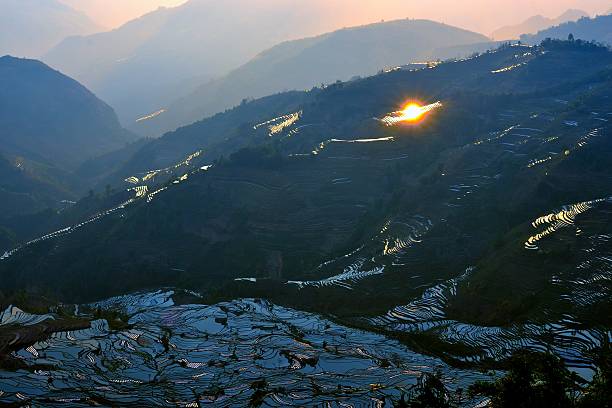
[427,313]
[150,116]
[278,125]
[351,274]
[67,230]
[589,283]
[387,248]
[426,309]
[152,174]
[539,162]
[586,139]
[326,143]
[495,136]
[410,114]
[230,354]
[508,68]
[566,217]
[140,192]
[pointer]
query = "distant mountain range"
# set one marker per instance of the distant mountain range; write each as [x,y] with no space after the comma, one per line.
[302,64]
[188,45]
[535,24]
[29,28]
[50,125]
[196,41]
[589,29]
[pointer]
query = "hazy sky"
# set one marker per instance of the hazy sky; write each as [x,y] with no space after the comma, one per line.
[479,15]
[112,13]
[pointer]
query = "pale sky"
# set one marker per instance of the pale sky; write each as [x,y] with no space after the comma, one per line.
[113,13]
[483,16]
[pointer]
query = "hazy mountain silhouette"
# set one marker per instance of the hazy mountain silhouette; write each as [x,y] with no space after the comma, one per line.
[188,46]
[49,117]
[535,24]
[588,29]
[30,28]
[24,191]
[302,64]
[199,40]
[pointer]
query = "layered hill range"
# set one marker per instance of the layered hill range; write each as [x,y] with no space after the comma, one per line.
[493,210]
[30,28]
[590,29]
[67,142]
[302,64]
[203,40]
[535,24]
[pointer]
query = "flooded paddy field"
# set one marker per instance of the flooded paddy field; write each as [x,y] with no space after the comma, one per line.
[230,354]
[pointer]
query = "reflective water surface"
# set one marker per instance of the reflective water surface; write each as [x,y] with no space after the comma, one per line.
[229,354]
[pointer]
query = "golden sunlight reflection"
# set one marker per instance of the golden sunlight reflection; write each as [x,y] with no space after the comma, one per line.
[412,113]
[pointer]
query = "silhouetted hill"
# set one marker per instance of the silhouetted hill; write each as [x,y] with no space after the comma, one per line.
[23,192]
[29,28]
[50,118]
[588,29]
[302,64]
[535,24]
[55,135]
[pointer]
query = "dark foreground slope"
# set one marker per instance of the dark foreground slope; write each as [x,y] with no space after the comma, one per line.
[412,229]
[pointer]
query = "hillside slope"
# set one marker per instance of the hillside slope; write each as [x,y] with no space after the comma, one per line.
[54,136]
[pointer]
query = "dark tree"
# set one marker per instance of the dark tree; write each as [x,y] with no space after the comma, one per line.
[533,380]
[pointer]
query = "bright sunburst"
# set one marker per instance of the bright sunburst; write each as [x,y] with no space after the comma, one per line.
[412,113]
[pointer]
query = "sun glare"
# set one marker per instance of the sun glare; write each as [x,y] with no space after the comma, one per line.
[412,113]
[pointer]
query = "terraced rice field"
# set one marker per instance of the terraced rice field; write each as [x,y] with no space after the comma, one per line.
[531,146]
[229,354]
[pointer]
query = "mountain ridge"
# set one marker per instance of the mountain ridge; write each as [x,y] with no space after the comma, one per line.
[536,23]
[598,29]
[340,55]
